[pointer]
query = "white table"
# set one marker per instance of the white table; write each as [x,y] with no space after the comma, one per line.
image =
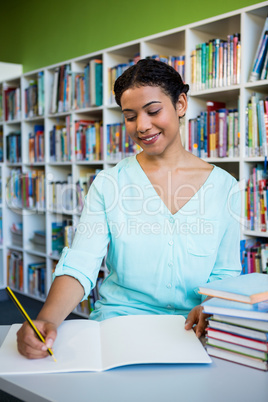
[220,381]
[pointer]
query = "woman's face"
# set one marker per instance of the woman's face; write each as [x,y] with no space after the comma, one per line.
[151,119]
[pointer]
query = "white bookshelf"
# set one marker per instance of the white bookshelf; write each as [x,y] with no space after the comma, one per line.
[182,40]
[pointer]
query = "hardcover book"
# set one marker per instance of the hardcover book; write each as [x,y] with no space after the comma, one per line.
[249,288]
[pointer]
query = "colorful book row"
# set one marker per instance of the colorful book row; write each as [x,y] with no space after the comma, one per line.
[88,140]
[216,63]
[119,143]
[254,256]
[256,198]
[256,135]
[37,144]
[12,103]
[26,190]
[37,279]
[34,97]
[76,90]
[215,132]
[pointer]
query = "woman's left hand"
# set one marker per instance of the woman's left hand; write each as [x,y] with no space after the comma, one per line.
[197,320]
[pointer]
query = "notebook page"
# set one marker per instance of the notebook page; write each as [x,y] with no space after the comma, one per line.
[77,348]
[149,339]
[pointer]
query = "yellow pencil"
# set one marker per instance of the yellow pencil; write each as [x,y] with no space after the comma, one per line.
[25,315]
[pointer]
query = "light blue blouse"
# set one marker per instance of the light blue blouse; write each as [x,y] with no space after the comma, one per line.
[156,260]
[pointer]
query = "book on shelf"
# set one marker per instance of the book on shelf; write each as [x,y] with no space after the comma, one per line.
[216,63]
[248,288]
[60,142]
[95,80]
[136,339]
[37,144]
[34,97]
[57,237]
[41,93]
[69,232]
[260,55]
[31,99]
[12,103]
[13,147]
[59,102]
[37,279]
[15,269]
[256,133]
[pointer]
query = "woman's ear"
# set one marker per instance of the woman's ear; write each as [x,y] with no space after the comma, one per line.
[182,104]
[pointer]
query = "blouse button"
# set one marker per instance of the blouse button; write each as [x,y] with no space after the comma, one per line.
[170,264]
[169,286]
[171,220]
[170,242]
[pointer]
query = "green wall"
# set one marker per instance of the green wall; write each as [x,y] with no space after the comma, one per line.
[40,33]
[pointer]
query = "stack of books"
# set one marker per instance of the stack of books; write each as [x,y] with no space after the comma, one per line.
[39,240]
[238,326]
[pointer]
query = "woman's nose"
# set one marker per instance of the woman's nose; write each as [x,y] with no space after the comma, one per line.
[143,123]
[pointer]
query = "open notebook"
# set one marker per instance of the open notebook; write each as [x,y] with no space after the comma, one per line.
[84,345]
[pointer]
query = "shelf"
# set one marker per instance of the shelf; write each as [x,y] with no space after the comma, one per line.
[255,233]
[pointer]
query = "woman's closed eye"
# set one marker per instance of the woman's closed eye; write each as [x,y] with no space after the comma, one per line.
[130,118]
[153,112]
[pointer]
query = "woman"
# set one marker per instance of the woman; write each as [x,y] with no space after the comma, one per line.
[168,217]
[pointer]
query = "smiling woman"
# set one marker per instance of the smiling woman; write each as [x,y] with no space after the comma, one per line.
[171,220]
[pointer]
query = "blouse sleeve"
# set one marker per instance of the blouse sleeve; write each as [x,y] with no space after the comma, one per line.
[83,260]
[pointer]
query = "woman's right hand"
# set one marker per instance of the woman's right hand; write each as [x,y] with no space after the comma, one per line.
[29,345]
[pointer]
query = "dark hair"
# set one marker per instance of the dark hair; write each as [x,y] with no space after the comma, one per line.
[153,73]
